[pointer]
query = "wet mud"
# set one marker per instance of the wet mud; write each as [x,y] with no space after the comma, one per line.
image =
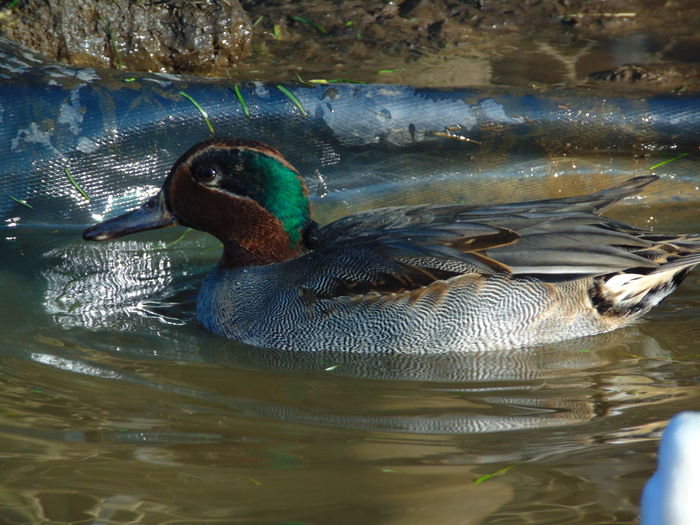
[647,45]
[177,36]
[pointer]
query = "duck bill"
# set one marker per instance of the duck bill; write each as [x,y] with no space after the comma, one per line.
[151,215]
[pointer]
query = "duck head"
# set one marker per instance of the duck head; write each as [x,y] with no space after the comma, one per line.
[243,192]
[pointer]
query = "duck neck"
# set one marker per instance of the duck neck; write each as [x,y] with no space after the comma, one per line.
[273,247]
[262,241]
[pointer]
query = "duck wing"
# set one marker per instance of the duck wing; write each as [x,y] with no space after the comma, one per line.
[400,248]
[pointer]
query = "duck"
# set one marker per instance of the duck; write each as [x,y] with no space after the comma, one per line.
[412,279]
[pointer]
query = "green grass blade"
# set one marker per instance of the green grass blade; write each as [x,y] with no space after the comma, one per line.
[200,109]
[211,248]
[239,96]
[76,185]
[486,477]
[293,98]
[23,203]
[310,23]
[663,163]
[179,239]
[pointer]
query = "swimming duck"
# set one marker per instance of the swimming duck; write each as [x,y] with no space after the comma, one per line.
[413,279]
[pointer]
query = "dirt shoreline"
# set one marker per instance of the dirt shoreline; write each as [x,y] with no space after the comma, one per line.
[422,42]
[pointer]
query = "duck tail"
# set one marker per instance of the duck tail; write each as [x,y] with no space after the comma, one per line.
[635,292]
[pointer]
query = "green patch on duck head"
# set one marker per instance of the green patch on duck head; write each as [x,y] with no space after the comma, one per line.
[281,191]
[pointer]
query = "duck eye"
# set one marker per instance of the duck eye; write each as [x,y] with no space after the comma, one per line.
[205,174]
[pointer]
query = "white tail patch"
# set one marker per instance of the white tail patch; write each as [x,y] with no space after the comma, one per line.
[629,290]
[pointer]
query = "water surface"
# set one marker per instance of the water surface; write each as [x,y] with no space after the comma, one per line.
[117,407]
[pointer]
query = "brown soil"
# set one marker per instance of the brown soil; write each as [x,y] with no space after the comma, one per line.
[424,42]
[179,36]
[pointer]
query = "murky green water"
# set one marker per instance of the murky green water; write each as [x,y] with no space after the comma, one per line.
[117,407]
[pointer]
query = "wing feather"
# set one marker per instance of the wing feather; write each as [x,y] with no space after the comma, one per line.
[398,248]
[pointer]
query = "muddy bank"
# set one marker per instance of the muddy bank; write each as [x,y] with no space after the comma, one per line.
[178,36]
[421,42]
[442,42]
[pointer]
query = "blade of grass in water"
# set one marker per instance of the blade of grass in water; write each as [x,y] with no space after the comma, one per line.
[239,96]
[310,23]
[293,98]
[663,163]
[75,184]
[200,109]
[23,203]
[211,248]
[113,45]
[486,477]
[179,239]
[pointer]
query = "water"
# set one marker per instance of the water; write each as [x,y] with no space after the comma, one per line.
[533,51]
[117,407]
